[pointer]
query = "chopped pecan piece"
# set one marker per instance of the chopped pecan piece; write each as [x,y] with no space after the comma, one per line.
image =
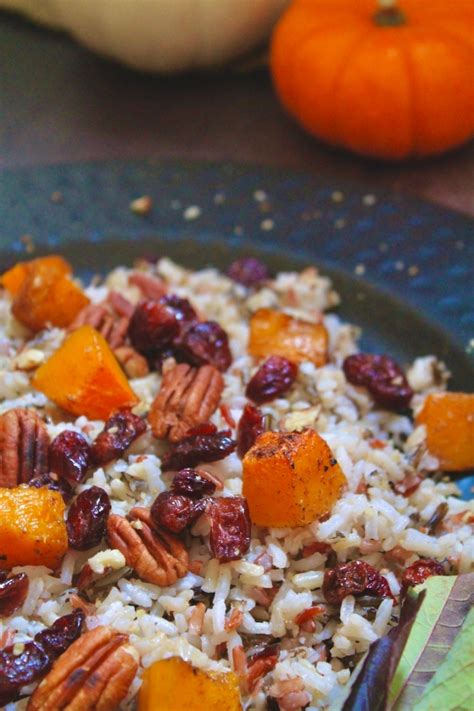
[156,556]
[115,331]
[121,305]
[92,315]
[187,397]
[132,362]
[101,317]
[95,673]
[152,287]
[24,443]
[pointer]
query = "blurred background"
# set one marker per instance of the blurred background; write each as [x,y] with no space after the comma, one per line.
[206,92]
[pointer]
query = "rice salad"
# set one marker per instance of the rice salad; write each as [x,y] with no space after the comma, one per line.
[218,613]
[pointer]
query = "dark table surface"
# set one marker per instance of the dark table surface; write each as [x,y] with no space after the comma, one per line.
[59,103]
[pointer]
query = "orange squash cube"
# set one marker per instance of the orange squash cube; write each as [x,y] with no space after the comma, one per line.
[290,479]
[13,279]
[84,377]
[172,684]
[32,527]
[47,297]
[449,422]
[276,333]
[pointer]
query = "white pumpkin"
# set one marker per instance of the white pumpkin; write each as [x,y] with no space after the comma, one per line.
[160,35]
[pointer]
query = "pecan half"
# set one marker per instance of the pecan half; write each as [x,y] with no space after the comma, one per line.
[91,315]
[24,443]
[121,305]
[156,556]
[187,397]
[101,317]
[152,287]
[132,362]
[95,673]
[115,331]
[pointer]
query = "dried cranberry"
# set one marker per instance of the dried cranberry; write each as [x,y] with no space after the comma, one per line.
[37,657]
[272,379]
[205,342]
[205,428]
[181,308]
[13,592]
[355,578]
[152,327]
[198,448]
[87,518]
[251,425]
[383,378]
[419,571]
[229,537]
[57,638]
[176,512]
[70,456]
[248,271]
[55,483]
[16,670]
[190,482]
[119,432]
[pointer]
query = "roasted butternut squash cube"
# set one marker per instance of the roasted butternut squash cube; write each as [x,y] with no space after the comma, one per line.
[32,527]
[449,422]
[84,377]
[47,297]
[290,479]
[276,333]
[13,279]
[172,684]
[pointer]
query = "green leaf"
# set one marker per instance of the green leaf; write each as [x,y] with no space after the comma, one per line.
[438,622]
[452,687]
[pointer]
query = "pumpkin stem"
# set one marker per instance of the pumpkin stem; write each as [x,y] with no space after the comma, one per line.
[389,14]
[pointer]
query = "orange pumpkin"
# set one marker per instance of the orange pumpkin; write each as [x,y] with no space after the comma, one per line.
[174,684]
[449,422]
[32,527]
[14,278]
[47,296]
[84,378]
[277,333]
[387,79]
[290,479]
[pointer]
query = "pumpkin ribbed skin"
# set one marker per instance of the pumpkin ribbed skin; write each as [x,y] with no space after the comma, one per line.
[389,92]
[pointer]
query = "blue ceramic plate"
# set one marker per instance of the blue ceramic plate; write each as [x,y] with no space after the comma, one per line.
[401,266]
